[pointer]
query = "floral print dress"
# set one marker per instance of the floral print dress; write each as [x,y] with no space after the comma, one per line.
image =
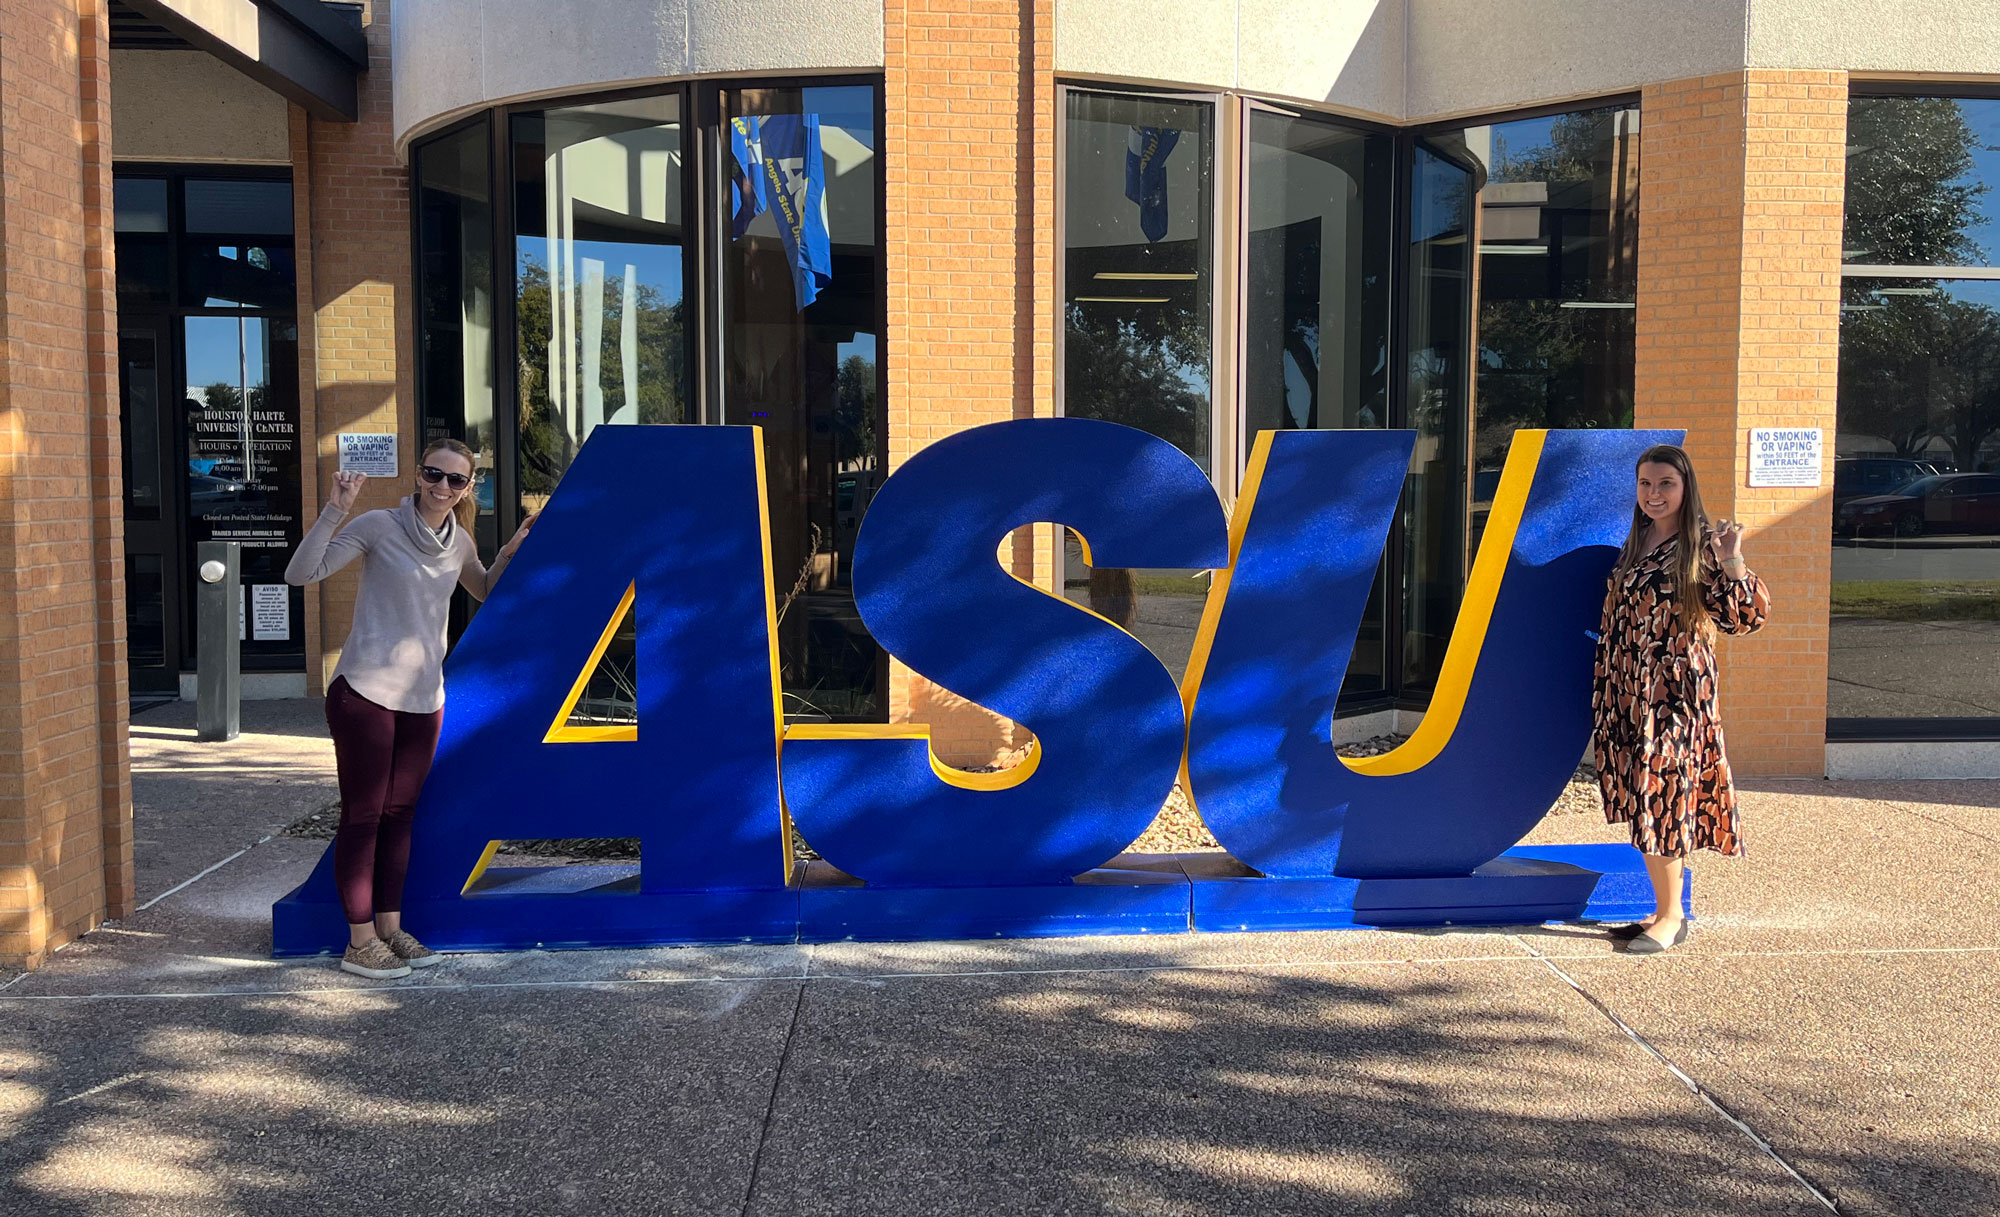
[1657,738]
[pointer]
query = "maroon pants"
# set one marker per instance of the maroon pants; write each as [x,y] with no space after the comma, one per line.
[383,756]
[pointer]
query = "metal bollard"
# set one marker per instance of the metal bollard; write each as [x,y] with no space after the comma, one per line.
[218,612]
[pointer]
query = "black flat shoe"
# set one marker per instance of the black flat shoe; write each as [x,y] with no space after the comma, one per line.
[1646,944]
[1626,933]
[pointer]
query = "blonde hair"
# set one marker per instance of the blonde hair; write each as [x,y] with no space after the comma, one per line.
[466,510]
[1689,610]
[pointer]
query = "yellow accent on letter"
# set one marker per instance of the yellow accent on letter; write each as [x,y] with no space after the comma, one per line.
[1475,613]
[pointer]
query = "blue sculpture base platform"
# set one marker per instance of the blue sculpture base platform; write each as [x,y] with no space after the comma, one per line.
[523,908]
[1525,886]
[552,908]
[1131,894]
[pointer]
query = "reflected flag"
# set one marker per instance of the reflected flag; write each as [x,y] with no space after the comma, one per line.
[1146,153]
[747,181]
[784,172]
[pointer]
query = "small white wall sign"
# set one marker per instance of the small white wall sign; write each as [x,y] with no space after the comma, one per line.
[1785,456]
[362,452]
[271,612]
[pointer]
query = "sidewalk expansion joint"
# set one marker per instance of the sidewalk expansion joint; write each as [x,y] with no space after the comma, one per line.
[777,1087]
[1695,1088]
[187,883]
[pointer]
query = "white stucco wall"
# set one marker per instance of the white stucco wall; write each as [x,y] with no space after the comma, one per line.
[455,56]
[1396,60]
[1467,58]
[1506,54]
[1347,54]
[1957,38]
[190,106]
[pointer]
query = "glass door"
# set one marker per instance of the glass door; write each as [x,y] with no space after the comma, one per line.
[152,572]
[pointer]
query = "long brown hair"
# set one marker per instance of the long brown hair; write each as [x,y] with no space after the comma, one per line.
[1689,610]
[466,510]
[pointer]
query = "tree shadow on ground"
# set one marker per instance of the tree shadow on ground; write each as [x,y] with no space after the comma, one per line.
[1431,1086]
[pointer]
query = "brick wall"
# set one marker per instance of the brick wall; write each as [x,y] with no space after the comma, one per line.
[971,265]
[1739,327]
[65,804]
[357,360]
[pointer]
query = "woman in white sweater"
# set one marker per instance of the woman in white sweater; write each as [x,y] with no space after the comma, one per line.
[386,702]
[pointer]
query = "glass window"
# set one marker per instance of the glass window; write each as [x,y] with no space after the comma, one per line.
[1138,224]
[599,277]
[140,376]
[1915,629]
[801,319]
[1317,301]
[1557,282]
[140,225]
[240,414]
[139,204]
[224,274]
[260,208]
[455,301]
[1444,180]
[1547,309]
[1917,170]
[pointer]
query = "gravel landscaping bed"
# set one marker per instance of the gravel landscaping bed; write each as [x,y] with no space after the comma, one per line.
[1178,829]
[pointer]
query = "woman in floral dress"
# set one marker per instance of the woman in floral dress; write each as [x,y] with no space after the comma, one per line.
[1657,738]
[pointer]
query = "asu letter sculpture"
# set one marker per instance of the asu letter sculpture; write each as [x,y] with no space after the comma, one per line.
[1511,712]
[1106,716]
[670,523]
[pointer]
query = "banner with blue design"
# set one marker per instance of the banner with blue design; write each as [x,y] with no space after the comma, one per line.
[1146,153]
[783,171]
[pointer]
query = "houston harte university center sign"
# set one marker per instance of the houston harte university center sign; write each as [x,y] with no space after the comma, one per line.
[671,521]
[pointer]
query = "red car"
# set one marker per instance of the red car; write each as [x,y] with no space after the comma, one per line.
[1943,502]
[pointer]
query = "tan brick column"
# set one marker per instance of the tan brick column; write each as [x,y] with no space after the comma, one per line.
[65,793]
[1739,327]
[970,214]
[357,358]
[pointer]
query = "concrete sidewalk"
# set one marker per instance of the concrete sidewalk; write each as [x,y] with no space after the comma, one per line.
[1826,1038]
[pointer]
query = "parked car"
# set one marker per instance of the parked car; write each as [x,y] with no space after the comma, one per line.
[1940,503]
[1855,476]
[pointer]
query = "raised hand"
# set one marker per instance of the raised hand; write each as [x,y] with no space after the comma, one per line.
[1727,542]
[346,486]
[520,535]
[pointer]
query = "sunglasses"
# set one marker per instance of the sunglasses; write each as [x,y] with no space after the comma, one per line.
[433,475]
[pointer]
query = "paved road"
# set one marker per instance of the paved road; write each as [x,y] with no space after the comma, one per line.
[1828,1030]
[1926,558]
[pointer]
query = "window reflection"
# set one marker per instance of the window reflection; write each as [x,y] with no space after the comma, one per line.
[240,413]
[229,275]
[1917,168]
[1445,180]
[599,277]
[1557,283]
[800,310]
[1915,628]
[1316,308]
[455,278]
[1139,250]
[222,205]
[140,220]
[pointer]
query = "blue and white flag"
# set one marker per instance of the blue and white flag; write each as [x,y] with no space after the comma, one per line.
[784,172]
[747,183]
[1146,154]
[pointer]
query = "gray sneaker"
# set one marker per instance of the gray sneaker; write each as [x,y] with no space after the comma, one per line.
[374,960]
[410,951]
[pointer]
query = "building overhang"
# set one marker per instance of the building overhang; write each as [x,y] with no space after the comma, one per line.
[303,50]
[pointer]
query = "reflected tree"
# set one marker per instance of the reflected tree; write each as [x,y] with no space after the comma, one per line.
[1910,200]
[1148,371]
[1915,369]
[547,444]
